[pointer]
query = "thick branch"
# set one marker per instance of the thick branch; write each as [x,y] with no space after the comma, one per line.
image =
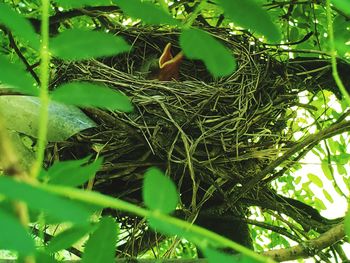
[309,248]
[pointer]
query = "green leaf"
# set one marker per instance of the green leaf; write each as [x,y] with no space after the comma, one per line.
[327,170]
[343,5]
[328,196]
[214,256]
[315,179]
[68,238]
[159,192]
[81,3]
[14,75]
[73,173]
[198,44]
[250,15]
[78,44]
[148,12]
[42,257]
[13,235]
[85,94]
[58,207]
[102,243]
[347,223]
[20,26]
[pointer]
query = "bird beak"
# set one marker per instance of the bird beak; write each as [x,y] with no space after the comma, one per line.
[169,65]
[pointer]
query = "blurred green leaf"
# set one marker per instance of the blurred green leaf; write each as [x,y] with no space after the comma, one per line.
[198,44]
[327,196]
[42,257]
[86,94]
[250,15]
[81,3]
[327,170]
[14,75]
[19,25]
[319,204]
[214,256]
[148,12]
[58,207]
[102,243]
[315,179]
[347,223]
[13,235]
[74,172]
[68,238]
[78,44]
[343,5]
[159,192]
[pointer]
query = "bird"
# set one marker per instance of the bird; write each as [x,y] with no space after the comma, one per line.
[169,65]
[166,68]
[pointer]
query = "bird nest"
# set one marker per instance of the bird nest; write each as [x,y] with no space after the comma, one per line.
[209,135]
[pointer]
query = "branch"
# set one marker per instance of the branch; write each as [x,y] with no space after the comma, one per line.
[309,248]
[312,139]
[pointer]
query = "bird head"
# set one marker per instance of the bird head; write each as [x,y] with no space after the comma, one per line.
[165,68]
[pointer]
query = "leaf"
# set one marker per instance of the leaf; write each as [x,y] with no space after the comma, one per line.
[215,256]
[42,257]
[81,3]
[64,120]
[102,243]
[250,15]
[315,179]
[78,44]
[159,192]
[198,44]
[72,173]
[327,170]
[14,75]
[13,235]
[327,196]
[85,94]
[148,12]
[68,238]
[343,5]
[58,207]
[347,223]
[20,26]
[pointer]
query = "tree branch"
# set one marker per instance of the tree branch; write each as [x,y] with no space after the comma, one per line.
[309,248]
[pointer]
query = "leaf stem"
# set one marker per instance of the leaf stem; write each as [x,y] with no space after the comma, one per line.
[333,53]
[107,201]
[44,95]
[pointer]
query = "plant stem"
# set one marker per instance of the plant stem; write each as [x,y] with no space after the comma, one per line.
[333,52]
[107,201]
[44,96]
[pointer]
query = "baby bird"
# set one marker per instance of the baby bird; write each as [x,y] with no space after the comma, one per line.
[166,68]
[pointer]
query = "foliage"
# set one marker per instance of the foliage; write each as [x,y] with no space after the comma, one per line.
[49,196]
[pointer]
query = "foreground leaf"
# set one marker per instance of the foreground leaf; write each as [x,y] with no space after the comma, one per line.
[78,44]
[198,44]
[91,95]
[102,243]
[19,25]
[13,235]
[214,256]
[343,5]
[64,120]
[148,12]
[159,192]
[81,3]
[14,75]
[73,173]
[250,15]
[68,238]
[58,207]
